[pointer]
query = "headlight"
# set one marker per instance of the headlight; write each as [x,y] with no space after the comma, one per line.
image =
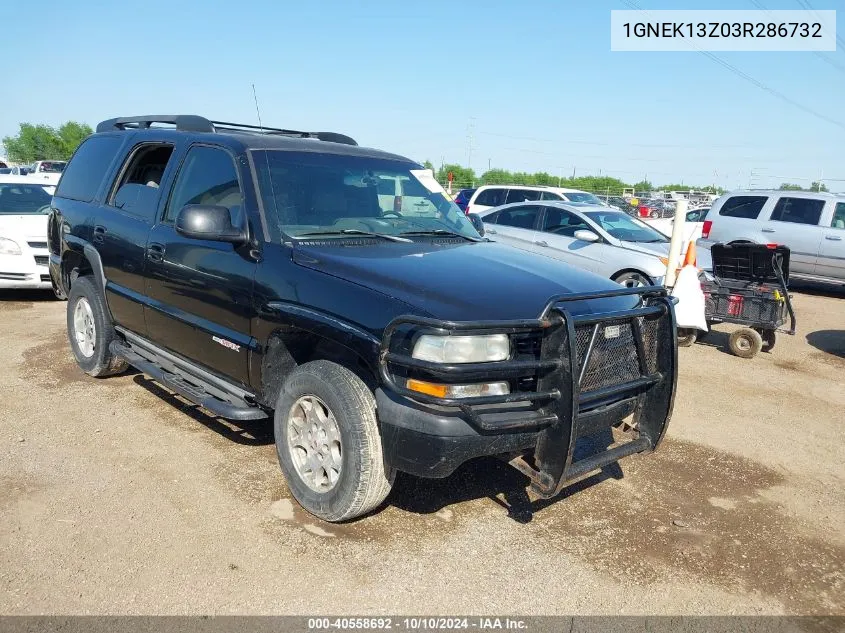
[9,247]
[462,349]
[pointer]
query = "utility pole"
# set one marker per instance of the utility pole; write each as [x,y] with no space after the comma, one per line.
[488,164]
[470,140]
[559,176]
[573,172]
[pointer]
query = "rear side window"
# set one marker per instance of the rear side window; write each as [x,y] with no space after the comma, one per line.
[491,197]
[522,195]
[798,210]
[747,207]
[85,172]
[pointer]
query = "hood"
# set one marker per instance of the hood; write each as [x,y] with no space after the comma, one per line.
[459,281]
[661,249]
[31,226]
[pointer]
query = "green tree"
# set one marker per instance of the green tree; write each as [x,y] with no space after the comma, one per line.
[463,176]
[643,186]
[788,186]
[429,165]
[818,186]
[43,142]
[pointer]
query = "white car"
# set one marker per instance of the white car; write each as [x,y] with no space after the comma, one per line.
[47,170]
[489,196]
[24,204]
[597,238]
[692,226]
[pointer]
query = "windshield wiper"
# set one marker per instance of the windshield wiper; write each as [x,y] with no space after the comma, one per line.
[386,236]
[443,232]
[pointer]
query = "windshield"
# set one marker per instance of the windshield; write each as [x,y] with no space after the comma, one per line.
[51,167]
[18,198]
[623,227]
[582,197]
[309,193]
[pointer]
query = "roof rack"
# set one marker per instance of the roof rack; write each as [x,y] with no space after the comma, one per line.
[194,123]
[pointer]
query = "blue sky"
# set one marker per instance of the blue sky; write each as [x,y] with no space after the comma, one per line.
[536,80]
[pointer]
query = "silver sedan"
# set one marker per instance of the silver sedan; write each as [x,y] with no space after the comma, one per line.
[596,238]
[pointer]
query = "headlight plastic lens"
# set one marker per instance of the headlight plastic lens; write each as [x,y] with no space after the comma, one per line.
[458,391]
[9,247]
[462,349]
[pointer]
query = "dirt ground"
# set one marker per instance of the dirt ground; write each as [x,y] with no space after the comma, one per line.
[118,498]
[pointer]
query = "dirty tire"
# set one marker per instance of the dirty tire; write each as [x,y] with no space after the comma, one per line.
[769,340]
[745,343]
[364,480]
[102,362]
[687,336]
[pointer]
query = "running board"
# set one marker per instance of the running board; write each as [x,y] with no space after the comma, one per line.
[191,389]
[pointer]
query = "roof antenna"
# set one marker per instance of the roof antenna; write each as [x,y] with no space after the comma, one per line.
[257,111]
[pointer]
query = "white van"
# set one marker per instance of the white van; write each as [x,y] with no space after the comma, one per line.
[489,196]
[811,224]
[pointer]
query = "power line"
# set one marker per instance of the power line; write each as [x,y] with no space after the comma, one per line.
[818,54]
[806,4]
[749,78]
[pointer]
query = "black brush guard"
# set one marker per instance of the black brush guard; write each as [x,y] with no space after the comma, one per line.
[592,371]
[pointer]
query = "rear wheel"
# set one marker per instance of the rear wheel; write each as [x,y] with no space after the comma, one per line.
[769,339]
[745,343]
[90,330]
[328,442]
[632,279]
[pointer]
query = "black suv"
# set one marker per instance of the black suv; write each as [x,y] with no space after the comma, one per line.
[261,272]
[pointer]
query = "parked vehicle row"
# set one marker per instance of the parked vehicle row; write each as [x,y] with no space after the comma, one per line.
[489,196]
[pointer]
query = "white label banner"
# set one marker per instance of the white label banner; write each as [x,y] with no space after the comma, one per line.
[722,30]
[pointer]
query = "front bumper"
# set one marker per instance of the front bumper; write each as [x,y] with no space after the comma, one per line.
[22,271]
[586,374]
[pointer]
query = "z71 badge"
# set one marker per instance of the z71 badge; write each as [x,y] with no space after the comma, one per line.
[226,343]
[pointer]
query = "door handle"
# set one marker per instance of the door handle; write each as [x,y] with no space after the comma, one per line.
[155,252]
[834,238]
[541,243]
[99,234]
[767,230]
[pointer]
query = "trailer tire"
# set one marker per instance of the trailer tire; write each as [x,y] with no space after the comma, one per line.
[769,339]
[340,474]
[745,343]
[687,336]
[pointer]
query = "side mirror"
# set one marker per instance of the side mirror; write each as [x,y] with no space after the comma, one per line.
[208,222]
[585,236]
[477,223]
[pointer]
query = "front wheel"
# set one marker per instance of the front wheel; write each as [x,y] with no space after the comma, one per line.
[90,331]
[328,442]
[632,279]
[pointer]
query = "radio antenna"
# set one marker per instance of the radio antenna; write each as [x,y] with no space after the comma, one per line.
[257,111]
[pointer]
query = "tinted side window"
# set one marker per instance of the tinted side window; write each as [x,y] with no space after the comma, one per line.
[550,195]
[747,207]
[518,217]
[207,176]
[84,174]
[562,222]
[798,210]
[838,221]
[491,218]
[491,197]
[522,195]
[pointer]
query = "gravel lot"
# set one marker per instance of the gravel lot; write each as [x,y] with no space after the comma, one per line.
[116,497]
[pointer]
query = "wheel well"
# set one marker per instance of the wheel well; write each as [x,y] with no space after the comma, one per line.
[287,349]
[74,265]
[631,270]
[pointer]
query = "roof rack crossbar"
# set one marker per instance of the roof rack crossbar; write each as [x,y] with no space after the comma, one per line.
[194,123]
